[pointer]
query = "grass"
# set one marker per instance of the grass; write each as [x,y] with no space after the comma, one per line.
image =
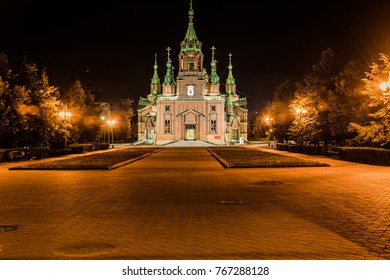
[228,156]
[245,157]
[105,160]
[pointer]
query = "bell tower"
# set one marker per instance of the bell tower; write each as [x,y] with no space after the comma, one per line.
[191,77]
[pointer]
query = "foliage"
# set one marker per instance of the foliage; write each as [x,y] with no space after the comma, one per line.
[260,129]
[326,101]
[283,117]
[347,103]
[280,117]
[305,126]
[84,123]
[123,113]
[375,156]
[312,98]
[28,107]
[376,130]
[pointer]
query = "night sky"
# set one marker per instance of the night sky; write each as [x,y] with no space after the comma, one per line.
[111,44]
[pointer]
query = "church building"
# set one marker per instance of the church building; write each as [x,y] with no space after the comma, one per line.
[191,106]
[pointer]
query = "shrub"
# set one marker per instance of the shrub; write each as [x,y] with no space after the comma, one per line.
[375,156]
[102,146]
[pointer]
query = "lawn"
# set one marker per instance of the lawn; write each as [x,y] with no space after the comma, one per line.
[229,156]
[246,157]
[105,160]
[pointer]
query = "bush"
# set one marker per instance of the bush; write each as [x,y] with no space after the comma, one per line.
[3,155]
[79,149]
[38,152]
[282,146]
[310,149]
[102,146]
[375,156]
[59,152]
[86,147]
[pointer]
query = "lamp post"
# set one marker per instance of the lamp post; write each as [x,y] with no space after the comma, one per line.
[385,87]
[111,124]
[102,130]
[268,122]
[65,115]
[300,111]
[300,125]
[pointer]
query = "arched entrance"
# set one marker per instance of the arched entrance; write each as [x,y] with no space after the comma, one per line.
[190,132]
[191,124]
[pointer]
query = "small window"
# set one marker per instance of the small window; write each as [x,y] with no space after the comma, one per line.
[167,108]
[213,127]
[190,90]
[167,126]
[234,134]
[213,109]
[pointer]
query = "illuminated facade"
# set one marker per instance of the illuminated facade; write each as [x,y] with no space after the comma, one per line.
[191,105]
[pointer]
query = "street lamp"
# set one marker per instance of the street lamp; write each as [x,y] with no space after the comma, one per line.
[300,111]
[268,122]
[111,124]
[65,115]
[103,131]
[385,86]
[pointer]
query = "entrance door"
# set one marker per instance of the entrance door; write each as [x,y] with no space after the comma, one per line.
[149,134]
[190,132]
[234,134]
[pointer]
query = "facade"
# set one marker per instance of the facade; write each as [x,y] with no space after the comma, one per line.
[191,105]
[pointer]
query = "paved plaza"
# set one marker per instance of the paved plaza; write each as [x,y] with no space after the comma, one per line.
[181,203]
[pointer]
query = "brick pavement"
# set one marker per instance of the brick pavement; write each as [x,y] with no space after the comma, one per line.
[180,203]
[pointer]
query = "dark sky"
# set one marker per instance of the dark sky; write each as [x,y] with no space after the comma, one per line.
[111,44]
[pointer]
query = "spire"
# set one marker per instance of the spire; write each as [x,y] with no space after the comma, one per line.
[155,84]
[190,42]
[230,79]
[168,79]
[155,79]
[230,83]
[213,76]
[229,102]
[191,12]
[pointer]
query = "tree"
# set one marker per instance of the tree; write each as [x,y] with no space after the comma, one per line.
[321,82]
[123,113]
[84,122]
[40,114]
[50,105]
[306,124]
[312,98]
[7,113]
[260,129]
[376,130]
[5,70]
[29,105]
[282,116]
[347,103]
[9,100]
